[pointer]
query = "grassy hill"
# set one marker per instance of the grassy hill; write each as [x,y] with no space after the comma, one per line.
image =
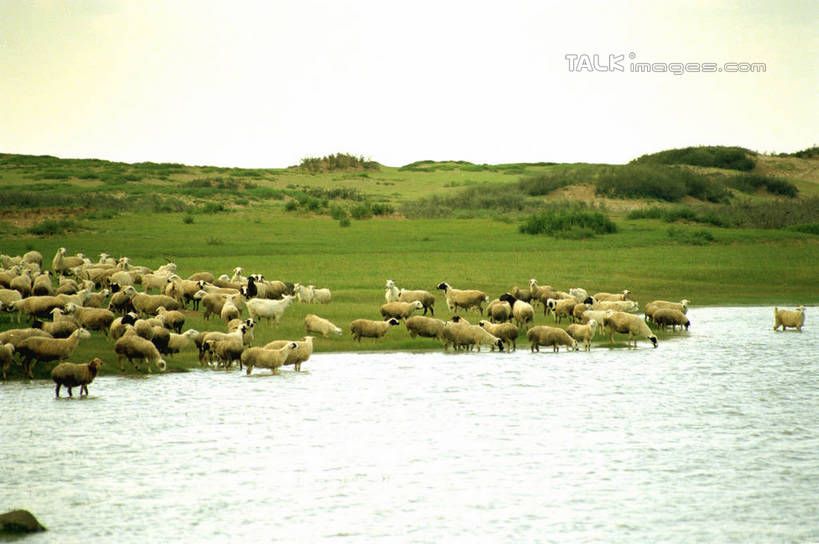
[671,231]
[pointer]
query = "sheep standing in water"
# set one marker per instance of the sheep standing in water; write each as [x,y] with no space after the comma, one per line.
[789,318]
[73,375]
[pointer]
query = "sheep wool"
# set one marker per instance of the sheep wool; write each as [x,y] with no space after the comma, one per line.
[72,375]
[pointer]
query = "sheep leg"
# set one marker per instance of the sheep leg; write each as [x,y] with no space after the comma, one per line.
[57,391]
[84,388]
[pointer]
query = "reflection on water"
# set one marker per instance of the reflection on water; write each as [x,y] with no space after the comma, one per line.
[714,436]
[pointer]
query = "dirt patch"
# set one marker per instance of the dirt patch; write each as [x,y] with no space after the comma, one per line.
[24,219]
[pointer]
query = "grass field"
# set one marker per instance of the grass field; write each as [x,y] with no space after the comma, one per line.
[217,229]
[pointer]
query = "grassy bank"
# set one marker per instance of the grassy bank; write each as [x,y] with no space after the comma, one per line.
[247,218]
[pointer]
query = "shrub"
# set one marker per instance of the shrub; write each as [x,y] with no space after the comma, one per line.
[188,219]
[338,213]
[52,227]
[338,161]
[344,222]
[808,228]
[568,223]
[732,158]
[361,211]
[750,183]
[699,237]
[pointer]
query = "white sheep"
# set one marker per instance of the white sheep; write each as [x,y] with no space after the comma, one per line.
[182,341]
[521,311]
[93,319]
[320,325]
[392,292]
[663,317]
[427,327]
[543,335]
[499,311]
[400,310]
[789,318]
[583,333]
[269,309]
[6,355]
[32,307]
[303,293]
[630,324]
[297,356]
[131,346]
[651,307]
[616,305]
[230,310]
[35,349]
[560,307]
[463,298]
[622,295]
[367,328]
[460,334]
[215,336]
[267,358]
[322,295]
[72,375]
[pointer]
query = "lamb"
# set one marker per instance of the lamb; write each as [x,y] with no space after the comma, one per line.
[507,332]
[156,281]
[543,335]
[249,325]
[597,315]
[297,356]
[400,310]
[463,298]
[630,324]
[226,351]
[583,333]
[664,317]
[579,293]
[499,311]
[7,296]
[366,328]
[322,295]
[79,298]
[172,319]
[521,311]
[35,349]
[314,323]
[788,318]
[419,295]
[427,327]
[73,375]
[652,307]
[6,355]
[578,310]
[269,309]
[267,358]
[93,319]
[622,295]
[21,283]
[303,293]
[131,346]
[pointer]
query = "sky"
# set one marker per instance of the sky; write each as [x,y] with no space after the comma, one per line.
[264,84]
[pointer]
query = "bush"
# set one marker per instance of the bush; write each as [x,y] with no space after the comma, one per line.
[568,223]
[338,213]
[338,161]
[52,227]
[656,181]
[699,237]
[732,158]
[344,222]
[807,228]
[361,211]
[750,183]
[188,219]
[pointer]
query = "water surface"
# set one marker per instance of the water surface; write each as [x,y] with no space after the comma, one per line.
[712,437]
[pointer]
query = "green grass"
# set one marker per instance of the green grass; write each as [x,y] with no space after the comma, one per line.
[464,233]
[731,158]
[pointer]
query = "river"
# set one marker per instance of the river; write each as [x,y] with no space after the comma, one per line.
[712,437]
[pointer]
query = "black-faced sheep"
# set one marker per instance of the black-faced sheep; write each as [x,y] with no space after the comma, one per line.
[521,311]
[630,324]
[507,332]
[789,318]
[418,295]
[543,335]
[73,375]
[367,328]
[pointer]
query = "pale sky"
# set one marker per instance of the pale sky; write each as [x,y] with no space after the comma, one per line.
[263,84]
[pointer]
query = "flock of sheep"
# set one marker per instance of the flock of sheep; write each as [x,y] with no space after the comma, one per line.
[78,296]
